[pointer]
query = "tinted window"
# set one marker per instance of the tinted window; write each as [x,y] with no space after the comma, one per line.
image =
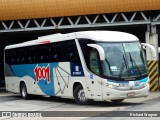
[19,53]
[42,54]
[56,52]
[91,56]
[7,56]
[94,61]
[70,52]
[85,49]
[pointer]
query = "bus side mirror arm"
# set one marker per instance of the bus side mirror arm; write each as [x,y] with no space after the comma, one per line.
[100,50]
[151,47]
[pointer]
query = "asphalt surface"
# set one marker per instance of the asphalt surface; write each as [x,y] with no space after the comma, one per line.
[62,108]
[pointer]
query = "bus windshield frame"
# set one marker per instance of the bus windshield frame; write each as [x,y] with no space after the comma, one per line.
[123,60]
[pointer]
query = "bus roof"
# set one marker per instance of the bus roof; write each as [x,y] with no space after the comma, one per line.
[105,36]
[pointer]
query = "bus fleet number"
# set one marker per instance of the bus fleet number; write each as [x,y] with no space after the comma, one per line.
[42,73]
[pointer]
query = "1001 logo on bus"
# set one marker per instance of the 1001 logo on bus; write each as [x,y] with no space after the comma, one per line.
[42,73]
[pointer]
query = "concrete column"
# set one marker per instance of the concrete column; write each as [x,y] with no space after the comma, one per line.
[154,86]
[152,39]
[148,52]
[154,42]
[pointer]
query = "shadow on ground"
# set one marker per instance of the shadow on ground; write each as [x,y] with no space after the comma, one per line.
[68,101]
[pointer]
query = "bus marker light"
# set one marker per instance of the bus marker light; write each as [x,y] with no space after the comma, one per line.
[45,42]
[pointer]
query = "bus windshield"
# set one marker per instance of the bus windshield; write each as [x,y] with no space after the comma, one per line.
[124,60]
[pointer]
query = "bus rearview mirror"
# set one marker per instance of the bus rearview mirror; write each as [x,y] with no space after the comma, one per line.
[153,51]
[99,49]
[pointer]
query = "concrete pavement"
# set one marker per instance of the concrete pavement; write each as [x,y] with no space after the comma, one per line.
[13,102]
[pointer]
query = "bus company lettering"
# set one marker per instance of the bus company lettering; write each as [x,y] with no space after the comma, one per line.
[42,73]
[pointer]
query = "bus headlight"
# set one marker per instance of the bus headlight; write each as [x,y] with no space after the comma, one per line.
[145,84]
[110,86]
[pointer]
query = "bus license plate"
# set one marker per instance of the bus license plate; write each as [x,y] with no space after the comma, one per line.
[131,94]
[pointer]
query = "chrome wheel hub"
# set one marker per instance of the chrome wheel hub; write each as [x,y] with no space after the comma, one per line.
[81,95]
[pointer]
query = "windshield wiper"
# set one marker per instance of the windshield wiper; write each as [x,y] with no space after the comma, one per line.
[122,66]
[133,62]
[109,66]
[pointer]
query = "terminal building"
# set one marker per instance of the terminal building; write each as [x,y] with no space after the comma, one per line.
[27,20]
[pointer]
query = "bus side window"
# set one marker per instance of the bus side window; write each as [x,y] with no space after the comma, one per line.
[85,49]
[94,61]
[13,56]
[25,57]
[31,54]
[29,60]
[19,55]
[8,58]
[70,52]
[55,54]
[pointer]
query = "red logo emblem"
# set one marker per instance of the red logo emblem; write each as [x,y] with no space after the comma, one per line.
[42,73]
[137,83]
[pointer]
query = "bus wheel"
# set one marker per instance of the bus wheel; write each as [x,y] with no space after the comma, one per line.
[52,97]
[23,91]
[117,101]
[79,96]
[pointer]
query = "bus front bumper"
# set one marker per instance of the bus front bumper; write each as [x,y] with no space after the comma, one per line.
[113,94]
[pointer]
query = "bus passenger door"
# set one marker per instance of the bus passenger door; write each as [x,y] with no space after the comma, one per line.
[93,80]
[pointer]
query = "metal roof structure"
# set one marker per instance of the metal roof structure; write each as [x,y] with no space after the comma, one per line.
[32,9]
[82,21]
[31,15]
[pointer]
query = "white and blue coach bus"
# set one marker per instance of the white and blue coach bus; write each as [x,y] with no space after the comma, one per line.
[88,65]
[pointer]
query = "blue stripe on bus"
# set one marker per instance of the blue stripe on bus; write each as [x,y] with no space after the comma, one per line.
[28,70]
[138,82]
[118,81]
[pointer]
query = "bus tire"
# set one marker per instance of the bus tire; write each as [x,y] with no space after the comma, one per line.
[52,97]
[117,101]
[79,96]
[23,90]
